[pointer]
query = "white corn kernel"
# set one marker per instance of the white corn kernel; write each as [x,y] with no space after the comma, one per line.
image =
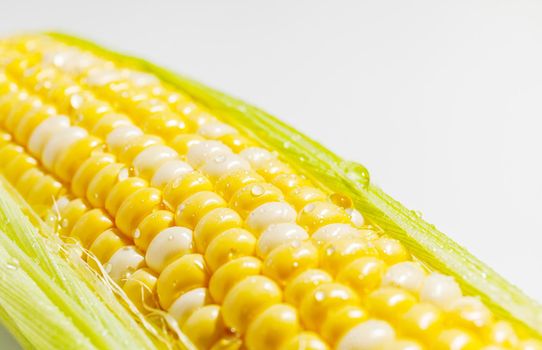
[407,275]
[278,234]
[222,164]
[45,130]
[59,142]
[150,159]
[472,310]
[168,245]
[369,335]
[333,232]
[186,304]
[125,261]
[440,290]
[121,136]
[355,217]
[268,214]
[215,130]
[256,156]
[200,152]
[169,171]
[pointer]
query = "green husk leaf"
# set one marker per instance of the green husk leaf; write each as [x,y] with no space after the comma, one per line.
[426,242]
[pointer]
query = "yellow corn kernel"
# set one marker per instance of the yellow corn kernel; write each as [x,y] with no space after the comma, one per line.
[236,142]
[404,344]
[184,274]
[301,196]
[5,138]
[43,194]
[233,181]
[108,122]
[182,143]
[146,107]
[501,333]
[86,172]
[167,125]
[205,326]
[252,196]
[470,313]
[135,145]
[121,191]
[135,208]
[323,299]
[455,338]
[90,225]
[140,288]
[317,214]
[30,121]
[18,165]
[303,284]
[214,223]
[71,213]
[305,341]
[193,208]
[289,182]
[24,103]
[71,158]
[151,226]
[247,299]
[287,260]
[91,111]
[183,187]
[9,151]
[341,252]
[389,303]
[423,321]
[196,118]
[106,244]
[98,189]
[391,250]
[229,245]
[341,320]
[273,167]
[230,273]
[362,275]
[272,327]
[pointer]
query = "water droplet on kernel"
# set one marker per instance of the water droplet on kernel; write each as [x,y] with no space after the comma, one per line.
[257,190]
[170,238]
[137,233]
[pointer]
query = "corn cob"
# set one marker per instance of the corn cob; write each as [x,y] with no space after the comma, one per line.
[192,216]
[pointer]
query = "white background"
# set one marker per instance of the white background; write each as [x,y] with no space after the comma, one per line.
[441,100]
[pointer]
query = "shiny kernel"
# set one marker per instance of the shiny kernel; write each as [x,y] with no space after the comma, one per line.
[136,145]
[193,208]
[91,111]
[423,321]
[9,151]
[231,273]
[18,165]
[71,213]
[44,192]
[229,245]
[123,263]
[340,253]
[100,186]
[502,333]
[278,234]
[168,172]
[121,191]
[440,290]
[86,172]
[273,168]
[108,123]
[456,339]
[168,245]
[183,187]
[408,275]
[273,327]
[333,232]
[205,326]
[151,225]
[305,341]
[363,275]
[195,118]
[236,142]
[106,244]
[287,260]
[389,303]
[213,224]
[183,142]
[185,305]
[149,160]
[71,158]
[140,287]
[182,275]
[369,335]
[121,137]
[391,250]
[341,320]
[231,182]
[90,225]
[289,182]
[469,312]
[252,196]
[323,299]
[135,208]
[317,214]
[217,166]
[45,131]
[30,121]
[301,196]
[200,152]
[303,284]
[247,299]
[167,125]
[270,213]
